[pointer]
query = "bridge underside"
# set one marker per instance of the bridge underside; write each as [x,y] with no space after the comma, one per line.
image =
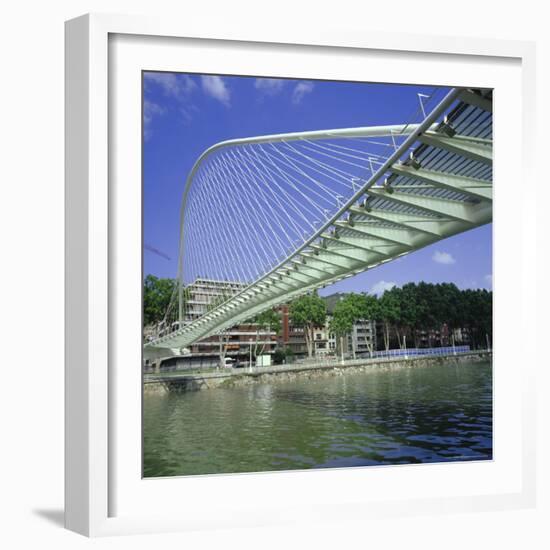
[438,183]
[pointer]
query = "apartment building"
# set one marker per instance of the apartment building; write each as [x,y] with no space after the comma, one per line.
[239,342]
[325,341]
[363,338]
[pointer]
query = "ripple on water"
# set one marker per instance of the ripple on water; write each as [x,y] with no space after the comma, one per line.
[394,417]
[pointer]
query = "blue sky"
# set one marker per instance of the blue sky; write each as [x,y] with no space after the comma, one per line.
[183,114]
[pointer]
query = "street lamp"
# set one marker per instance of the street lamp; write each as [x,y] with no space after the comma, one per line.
[250,355]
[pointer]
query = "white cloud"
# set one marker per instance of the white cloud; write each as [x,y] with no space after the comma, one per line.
[301,89]
[215,87]
[443,258]
[174,85]
[489,280]
[381,286]
[150,110]
[269,86]
[177,86]
[188,112]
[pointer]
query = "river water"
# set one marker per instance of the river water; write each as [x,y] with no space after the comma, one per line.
[403,416]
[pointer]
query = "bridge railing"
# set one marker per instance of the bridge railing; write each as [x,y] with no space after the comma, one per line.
[391,353]
[412,352]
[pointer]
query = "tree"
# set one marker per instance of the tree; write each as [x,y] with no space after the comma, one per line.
[388,313]
[452,308]
[430,311]
[223,336]
[223,341]
[269,320]
[478,318]
[368,309]
[281,355]
[486,314]
[408,312]
[424,306]
[353,308]
[157,294]
[308,311]
[341,323]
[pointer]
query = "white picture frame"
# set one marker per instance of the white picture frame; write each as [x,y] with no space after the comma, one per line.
[103,494]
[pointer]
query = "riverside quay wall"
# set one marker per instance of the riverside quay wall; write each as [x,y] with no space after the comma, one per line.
[229,378]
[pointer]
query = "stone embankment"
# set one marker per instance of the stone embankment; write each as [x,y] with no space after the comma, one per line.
[230,378]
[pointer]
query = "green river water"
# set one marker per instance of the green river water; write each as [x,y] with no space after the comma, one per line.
[402,416]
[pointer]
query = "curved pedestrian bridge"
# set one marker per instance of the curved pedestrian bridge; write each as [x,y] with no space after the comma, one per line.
[269,218]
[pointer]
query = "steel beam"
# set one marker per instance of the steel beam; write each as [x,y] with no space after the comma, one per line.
[355,242]
[414,222]
[476,100]
[475,188]
[463,147]
[450,209]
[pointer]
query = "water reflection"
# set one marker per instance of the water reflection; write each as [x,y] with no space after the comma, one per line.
[429,414]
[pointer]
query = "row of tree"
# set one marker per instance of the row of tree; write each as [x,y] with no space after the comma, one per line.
[417,307]
[404,312]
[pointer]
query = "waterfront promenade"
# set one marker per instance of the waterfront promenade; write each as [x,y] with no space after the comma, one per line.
[231,377]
